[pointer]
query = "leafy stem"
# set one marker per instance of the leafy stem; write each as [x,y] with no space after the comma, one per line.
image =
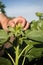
[17,53]
[11,58]
[25,54]
[23,51]
[24,58]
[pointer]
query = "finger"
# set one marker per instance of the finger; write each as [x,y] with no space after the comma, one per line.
[27,26]
[11,23]
[22,21]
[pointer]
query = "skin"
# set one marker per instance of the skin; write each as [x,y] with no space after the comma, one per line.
[21,20]
[3,21]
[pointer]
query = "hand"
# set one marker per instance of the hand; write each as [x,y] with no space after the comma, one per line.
[3,21]
[20,20]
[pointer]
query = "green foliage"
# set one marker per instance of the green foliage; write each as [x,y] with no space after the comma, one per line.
[17,30]
[4,61]
[39,14]
[2,7]
[32,37]
[3,37]
[35,35]
[36,39]
[27,43]
[34,53]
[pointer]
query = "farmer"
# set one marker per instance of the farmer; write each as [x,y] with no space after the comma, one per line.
[5,22]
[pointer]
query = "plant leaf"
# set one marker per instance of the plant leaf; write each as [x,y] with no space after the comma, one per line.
[3,37]
[34,53]
[35,35]
[4,61]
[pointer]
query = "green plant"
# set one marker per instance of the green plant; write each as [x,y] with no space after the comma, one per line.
[27,44]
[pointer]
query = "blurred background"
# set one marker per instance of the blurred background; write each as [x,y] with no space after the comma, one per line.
[25,8]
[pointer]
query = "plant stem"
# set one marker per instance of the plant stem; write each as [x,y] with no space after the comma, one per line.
[23,51]
[23,61]
[11,58]
[25,55]
[24,58]
[17,53]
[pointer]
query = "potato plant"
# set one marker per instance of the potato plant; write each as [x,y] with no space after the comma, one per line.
[27,44]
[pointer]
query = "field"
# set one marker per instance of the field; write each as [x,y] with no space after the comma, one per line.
[25,47]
